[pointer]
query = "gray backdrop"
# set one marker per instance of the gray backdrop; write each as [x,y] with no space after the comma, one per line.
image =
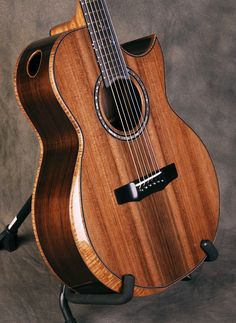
[198,38]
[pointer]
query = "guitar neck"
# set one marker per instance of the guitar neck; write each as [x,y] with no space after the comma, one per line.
[104,40]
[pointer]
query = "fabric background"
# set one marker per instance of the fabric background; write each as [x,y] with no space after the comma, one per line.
[199,43]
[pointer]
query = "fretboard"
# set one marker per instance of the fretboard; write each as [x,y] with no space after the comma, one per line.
[104,40]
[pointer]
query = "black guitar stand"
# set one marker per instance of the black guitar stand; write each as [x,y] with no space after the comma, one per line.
[94,293]
[8,238]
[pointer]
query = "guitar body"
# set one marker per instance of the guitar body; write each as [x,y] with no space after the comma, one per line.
[81,230]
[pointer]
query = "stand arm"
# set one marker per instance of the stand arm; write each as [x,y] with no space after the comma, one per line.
[123,297]
[64,306]
[21,216]
[210,250]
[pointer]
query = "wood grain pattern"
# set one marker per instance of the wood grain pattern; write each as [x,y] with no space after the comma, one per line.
[56,136]
[77,21]
[158,239]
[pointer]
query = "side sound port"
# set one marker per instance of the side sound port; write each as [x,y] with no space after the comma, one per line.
[34,63]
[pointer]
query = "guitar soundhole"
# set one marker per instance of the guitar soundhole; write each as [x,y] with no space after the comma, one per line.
[123,107]
[33,64]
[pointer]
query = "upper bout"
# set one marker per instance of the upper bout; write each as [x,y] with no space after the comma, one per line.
[144,56]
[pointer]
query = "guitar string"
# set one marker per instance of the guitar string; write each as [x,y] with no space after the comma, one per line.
[152,198]
[131,152]
[143,163]
[148,145]
[119,86]
[129,102]
[101,16]
[146,165]
[148,137]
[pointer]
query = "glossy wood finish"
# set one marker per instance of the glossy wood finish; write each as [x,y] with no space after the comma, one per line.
[59,149]
[158,239]
[77,21]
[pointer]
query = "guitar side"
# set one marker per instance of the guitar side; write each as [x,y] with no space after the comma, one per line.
[68,222]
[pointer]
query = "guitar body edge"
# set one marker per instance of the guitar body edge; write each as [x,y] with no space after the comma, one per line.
[59,205]
[57,137]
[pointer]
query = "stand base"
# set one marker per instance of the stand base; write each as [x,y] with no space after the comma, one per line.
[8,240]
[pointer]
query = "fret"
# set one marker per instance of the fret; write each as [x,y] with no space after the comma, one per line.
[107,46]
[95,11]
[109,56]
[104,40]
[94,5]
[98,24]
[109,63]
[114,68]
[98,29]
[97,21]
[88,1]
[111,78]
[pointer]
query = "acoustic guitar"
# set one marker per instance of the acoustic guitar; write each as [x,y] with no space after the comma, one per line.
[124,186]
